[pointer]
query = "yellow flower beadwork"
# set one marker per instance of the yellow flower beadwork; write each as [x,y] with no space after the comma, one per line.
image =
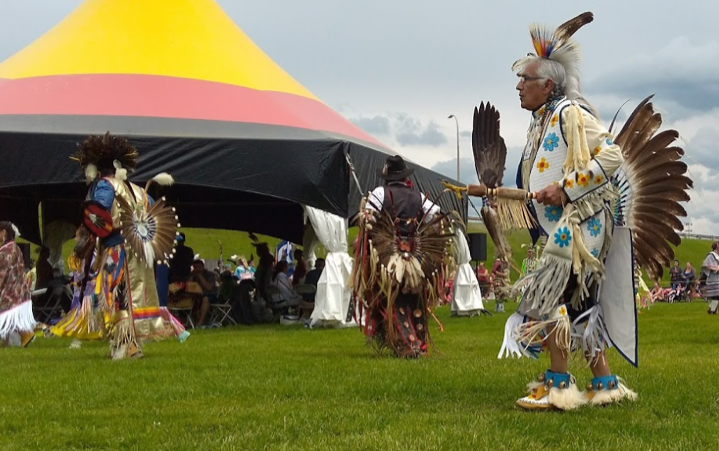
[543,164]
[553,121]
[569,183]
[583,180]
[597,150]
[563,311]
[598,179]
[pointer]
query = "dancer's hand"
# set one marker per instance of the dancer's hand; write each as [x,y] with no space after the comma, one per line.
[552,195]
[458,190]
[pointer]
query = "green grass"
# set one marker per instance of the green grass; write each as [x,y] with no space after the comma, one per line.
[282,388]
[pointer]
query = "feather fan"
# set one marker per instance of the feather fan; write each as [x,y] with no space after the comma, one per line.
[651,183]
[490,152]
[490,155]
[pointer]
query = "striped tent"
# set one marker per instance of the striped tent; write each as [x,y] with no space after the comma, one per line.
[246,143]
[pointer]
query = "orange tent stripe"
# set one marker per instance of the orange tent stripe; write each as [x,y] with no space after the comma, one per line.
[177,38]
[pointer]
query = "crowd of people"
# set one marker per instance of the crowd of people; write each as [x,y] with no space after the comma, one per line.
[276,286]
[686,284]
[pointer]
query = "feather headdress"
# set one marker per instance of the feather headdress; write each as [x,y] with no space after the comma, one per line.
[559,46]
[100,153]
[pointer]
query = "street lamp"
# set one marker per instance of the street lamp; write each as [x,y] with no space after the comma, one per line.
[456,122]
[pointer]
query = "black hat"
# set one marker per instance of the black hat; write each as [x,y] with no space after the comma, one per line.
[395,169]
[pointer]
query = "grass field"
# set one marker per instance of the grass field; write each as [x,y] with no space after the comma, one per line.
[280,388]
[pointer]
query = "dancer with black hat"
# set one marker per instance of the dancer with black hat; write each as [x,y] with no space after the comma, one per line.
[400,265]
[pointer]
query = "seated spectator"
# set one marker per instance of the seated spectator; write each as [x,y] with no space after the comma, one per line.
[228,284]
[243,270]
[313,277]
[677,294]
[483,278]
[265,268]
[666,292]
[657,293]
[31,276]
[43,269]
[207,281]
[46,278]
[288,296]
[298,276]
[181,263]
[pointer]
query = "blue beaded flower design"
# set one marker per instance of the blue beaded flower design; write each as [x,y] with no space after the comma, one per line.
[562,237]
[551,142]
[552,213]
[594,226]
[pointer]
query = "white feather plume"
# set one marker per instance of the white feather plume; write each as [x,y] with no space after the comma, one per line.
[163,179]
[120,172]
[90,173]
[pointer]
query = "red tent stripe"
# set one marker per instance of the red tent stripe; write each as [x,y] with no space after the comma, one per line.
[168,97]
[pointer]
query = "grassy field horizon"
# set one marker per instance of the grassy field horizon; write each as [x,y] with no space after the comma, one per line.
[275,387]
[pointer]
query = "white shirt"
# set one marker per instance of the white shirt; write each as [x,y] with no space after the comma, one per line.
[376,199]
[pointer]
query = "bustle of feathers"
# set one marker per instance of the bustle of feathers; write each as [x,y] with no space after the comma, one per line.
[159,226]
[651,183]
[433,240]
[490,151]
[103,151]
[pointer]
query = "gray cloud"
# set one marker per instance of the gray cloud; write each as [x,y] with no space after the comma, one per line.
[410,131]
[681,74]
[468,172]
[377,125]
[407,130]
[465,134]
[702,148]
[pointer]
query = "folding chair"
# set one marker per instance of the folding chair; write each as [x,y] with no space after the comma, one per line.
[183,312]
[178,300]
[45,313]
[273,300]
[308,299]
[220,313]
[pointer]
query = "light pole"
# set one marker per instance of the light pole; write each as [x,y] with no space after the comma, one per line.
[456,122]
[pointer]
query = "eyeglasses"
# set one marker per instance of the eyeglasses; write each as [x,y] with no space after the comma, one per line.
[525,78]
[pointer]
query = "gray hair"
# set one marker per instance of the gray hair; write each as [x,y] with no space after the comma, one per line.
[566,84]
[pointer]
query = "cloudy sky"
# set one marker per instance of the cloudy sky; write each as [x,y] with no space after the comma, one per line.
[398,68]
